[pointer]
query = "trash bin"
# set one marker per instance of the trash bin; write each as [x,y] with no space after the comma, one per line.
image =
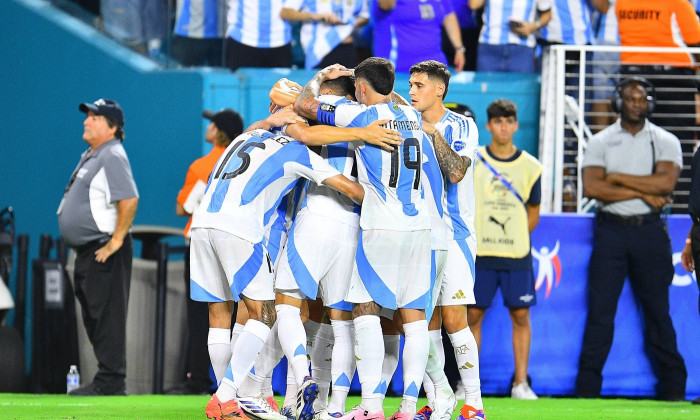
[140,323]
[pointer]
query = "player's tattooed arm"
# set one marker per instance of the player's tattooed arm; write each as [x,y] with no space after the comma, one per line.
[367,308]
[306,104]
[452,165]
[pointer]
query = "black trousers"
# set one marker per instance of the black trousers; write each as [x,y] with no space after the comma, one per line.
[344,54]
[643,253]
[103,292]
[198,51]
[241,55]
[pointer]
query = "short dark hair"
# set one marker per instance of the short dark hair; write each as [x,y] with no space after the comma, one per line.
[119,134]
[341,86]
[502,108]
[378,72]
[434,70]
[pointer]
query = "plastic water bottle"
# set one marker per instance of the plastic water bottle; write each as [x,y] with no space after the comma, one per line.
[72,379]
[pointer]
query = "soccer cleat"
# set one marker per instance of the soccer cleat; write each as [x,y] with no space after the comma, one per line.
[258,408]
[273,403]
[223,410]
[305,399]
[522,391]
[325,415]
[444,404]
[424,413]
[289,411]
[469,412]
[359,413]
[401,416]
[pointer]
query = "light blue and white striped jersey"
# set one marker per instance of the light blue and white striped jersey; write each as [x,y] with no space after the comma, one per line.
[570,23]
[250,179]
[434,191]
[324,200]
[496,29]
[392,180]
[462,135]
[282,220]
[318,38]
[200,18]
[605,30]
[257,23]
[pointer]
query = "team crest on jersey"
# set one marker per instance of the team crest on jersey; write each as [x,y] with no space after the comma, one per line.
[396,107]
[459,145]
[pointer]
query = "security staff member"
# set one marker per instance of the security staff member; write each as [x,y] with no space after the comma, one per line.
[631,238]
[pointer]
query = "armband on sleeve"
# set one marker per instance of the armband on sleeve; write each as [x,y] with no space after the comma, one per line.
[326,114]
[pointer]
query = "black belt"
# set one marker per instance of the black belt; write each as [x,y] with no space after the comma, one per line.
[92,244]
[637,220]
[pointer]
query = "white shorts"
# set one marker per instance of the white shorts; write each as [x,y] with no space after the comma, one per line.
[438,259]
[458,278]
[276,239]
[318,260]
[392,268]
[225,267]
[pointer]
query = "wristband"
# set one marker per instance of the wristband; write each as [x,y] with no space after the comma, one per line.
[462,48]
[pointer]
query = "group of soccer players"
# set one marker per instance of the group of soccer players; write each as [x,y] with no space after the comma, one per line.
[381,236]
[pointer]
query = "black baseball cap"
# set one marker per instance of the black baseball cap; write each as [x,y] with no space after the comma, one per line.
[226,120]
[107,108]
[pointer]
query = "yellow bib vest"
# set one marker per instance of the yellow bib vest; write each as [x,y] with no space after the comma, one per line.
[501,218]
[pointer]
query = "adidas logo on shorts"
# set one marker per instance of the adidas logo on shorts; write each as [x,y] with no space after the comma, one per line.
[459,295]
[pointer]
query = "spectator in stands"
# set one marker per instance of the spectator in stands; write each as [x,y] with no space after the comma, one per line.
[605,66]
[630,239]
[690,257]
[407,32]
[198,35]
[507,41]
[225,126]
[667,23]
[257,35]
[139,24]
[327,29]
[469,25]
[507,191]
[95,215]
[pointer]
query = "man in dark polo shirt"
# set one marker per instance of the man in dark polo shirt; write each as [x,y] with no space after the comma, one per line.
[94,216]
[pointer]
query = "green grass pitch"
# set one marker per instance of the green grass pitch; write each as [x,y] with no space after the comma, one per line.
[35,406]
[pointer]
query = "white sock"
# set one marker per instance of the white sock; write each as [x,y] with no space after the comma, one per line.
[245,352]
[436,357]
[369,352]
[467,356]
[235,333]
[267,359]
[266,388]
[435,371]
[293,339]
[219,345]
[392,346]
[342,364]
[290,394]
[321,364]
[415,358]
[311,328]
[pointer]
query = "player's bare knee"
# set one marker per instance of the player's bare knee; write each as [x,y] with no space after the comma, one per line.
[454,318]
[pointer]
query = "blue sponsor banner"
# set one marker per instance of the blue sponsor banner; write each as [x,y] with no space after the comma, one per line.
[561,246]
